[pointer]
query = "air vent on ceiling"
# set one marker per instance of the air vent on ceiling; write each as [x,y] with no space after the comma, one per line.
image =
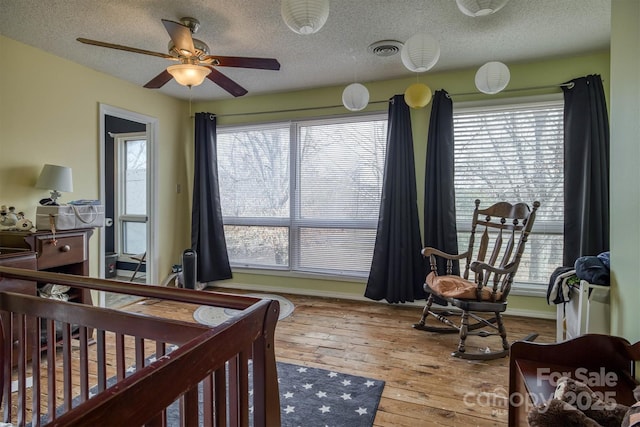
[385,47]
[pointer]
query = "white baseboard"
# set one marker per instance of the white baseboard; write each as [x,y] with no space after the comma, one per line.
[353,297]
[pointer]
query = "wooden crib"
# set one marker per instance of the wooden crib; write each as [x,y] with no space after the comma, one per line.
[70,364]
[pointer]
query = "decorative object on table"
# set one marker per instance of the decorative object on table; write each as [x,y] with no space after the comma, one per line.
[12,220]
[55,178]
[77,214]
[213,316]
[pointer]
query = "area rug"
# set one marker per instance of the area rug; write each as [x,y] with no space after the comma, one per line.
[309,397]
[213,316]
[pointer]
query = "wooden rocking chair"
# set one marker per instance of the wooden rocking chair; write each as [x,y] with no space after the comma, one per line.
[503,230]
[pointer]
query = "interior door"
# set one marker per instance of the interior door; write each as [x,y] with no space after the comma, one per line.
[128,187]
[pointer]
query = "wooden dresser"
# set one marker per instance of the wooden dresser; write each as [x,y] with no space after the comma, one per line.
[63,252]
[19,258]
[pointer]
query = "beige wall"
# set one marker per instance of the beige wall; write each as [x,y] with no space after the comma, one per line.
[543,73]
[49,113]
[625,168]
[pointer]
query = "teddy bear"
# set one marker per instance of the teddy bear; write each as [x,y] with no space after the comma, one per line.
[568,408]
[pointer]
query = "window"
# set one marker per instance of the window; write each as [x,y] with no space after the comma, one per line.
[132,192]
[514,153]
[303,196]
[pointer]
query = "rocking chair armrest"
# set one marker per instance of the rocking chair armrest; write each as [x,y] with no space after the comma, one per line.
[428,251]
[477,267]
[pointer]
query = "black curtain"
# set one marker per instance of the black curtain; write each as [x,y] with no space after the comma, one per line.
[207,231]
[586,168]
[397,269]
[439,194]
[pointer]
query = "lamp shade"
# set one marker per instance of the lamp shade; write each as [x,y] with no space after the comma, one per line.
[477,8]
[189,74]
[305,16]
[55,177]
[417,95]
[420,53]
[355,97]
[492,77]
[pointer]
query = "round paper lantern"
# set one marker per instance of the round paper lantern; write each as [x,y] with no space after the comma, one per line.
[355,97]
[476,8]
[417,95]
[420,53]
[305,16]
[492,77]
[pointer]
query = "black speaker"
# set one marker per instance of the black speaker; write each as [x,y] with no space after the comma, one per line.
[189,268]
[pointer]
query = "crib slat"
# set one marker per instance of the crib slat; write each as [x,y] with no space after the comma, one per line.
[51,369]
[101,358]
[66,362]
[243,396]
[220,397]
[84,365]
[120,360]
[22,368]
[35,372]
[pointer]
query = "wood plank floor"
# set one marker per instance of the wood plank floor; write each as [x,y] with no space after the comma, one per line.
[425,386]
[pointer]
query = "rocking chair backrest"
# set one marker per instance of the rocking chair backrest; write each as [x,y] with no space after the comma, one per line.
[502,231]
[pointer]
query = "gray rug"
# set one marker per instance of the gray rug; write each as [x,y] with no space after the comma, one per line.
[213,316]
[309,397]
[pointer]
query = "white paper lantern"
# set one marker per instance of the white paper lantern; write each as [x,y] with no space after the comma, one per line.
[305,16]
[492,77]
[355,97]
[417,95]
[420,53]
[477,8]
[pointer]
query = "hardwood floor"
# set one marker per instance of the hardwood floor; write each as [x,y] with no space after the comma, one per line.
[425,386]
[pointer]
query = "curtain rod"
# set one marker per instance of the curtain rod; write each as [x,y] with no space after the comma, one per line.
[522,89]
[293,110]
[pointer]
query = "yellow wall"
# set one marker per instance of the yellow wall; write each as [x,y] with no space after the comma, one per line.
[625,170]
[537,74]
[49,113]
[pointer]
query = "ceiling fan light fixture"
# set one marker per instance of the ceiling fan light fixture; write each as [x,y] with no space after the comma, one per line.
[420,53]
[189,74]
[476,8]
[305,16]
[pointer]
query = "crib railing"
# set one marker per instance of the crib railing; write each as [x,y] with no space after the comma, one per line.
[72,364]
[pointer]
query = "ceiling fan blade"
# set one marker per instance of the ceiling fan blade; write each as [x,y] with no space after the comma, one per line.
[158,81]
[226,83]
[181,37]
[125,48]
[244,62]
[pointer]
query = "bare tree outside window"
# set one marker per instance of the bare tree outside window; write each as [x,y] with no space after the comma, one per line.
[514,153]
[303,196]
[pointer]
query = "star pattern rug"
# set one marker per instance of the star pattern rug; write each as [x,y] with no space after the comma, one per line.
[318,397]
[309,397]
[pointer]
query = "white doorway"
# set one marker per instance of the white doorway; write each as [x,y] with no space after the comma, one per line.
[128,187]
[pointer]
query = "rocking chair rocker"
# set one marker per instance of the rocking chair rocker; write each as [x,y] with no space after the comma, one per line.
[483,298]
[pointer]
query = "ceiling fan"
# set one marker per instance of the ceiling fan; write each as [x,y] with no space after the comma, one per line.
[195,62]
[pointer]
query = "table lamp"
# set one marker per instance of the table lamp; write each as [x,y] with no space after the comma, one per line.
[56,179]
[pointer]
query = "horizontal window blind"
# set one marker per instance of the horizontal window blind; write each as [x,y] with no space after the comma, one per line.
[303,196]
[514,153]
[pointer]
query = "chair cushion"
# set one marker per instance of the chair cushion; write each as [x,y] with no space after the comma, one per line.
[451,286]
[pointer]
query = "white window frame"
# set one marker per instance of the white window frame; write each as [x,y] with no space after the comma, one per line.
[120,143]
[520,287]
[294,222]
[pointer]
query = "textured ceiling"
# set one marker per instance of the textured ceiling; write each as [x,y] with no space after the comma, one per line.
[523,30]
